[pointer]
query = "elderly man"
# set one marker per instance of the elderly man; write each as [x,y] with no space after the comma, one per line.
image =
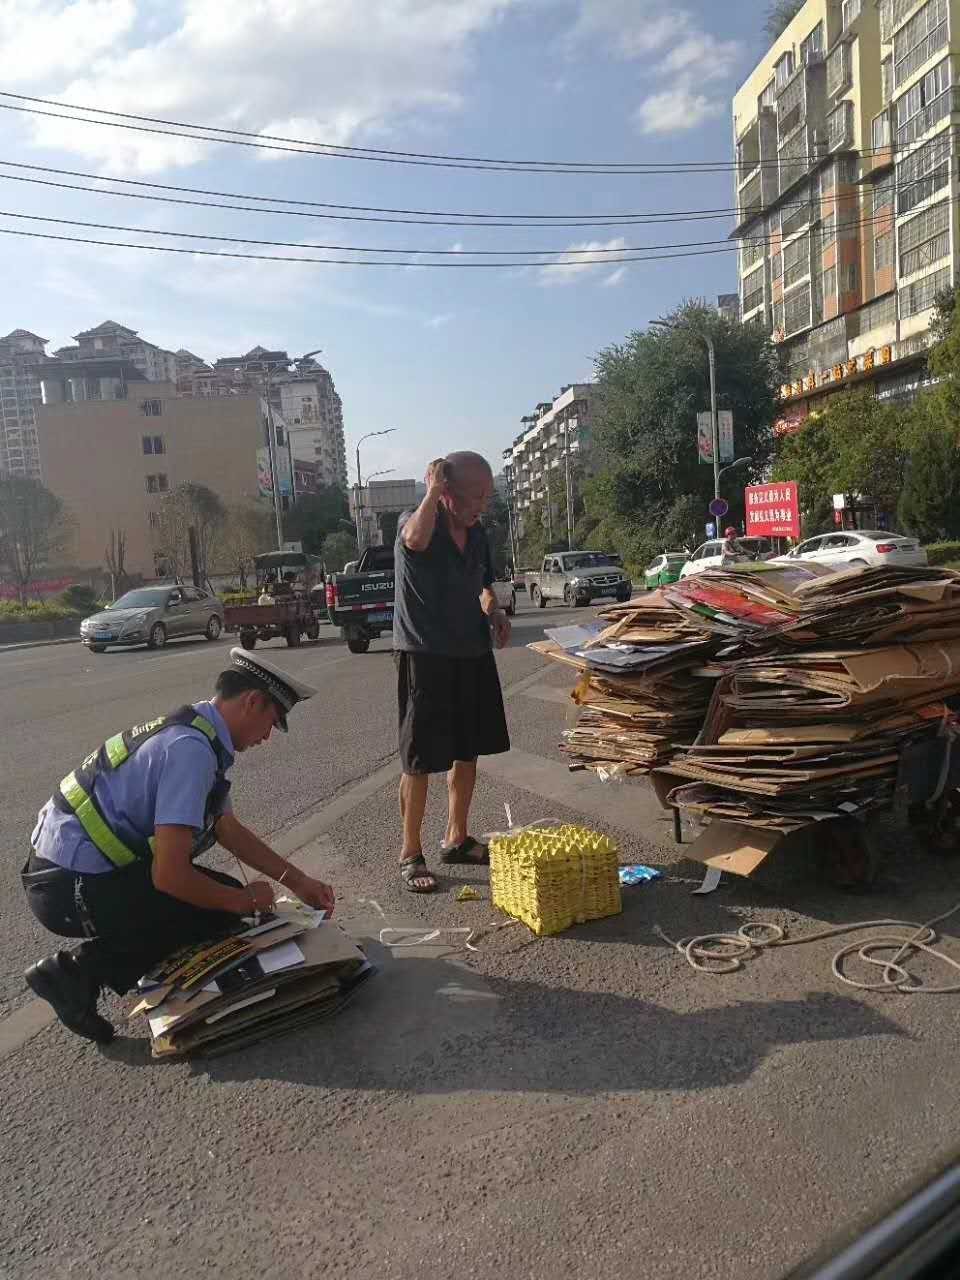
[113,850]
[446,619]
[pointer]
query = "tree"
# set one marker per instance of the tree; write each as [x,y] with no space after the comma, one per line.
[650,390]
[929,505]
[857,445]
[314,515]
[114,558]
[247,531]
[196,506]
[33,529]
[337,549]
[779,16]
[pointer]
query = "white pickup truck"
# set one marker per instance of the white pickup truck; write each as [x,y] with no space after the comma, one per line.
[577,577]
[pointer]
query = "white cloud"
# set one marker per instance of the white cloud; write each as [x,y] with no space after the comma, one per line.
[439,321]
[580,260]
[675,110]
[615,278]
[672,45]
[251,66]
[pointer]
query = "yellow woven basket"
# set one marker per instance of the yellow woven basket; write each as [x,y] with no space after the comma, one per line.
[553,877]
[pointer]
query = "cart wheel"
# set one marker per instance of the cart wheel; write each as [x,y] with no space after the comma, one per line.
[358,644]
[293,636]
[248,639]
[313,631]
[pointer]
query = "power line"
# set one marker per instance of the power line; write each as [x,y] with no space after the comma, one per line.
[304,146]
[429,218]
[337,262]
[569,256]
[635,220]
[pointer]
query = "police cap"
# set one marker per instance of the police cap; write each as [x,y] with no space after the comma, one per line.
[285,690]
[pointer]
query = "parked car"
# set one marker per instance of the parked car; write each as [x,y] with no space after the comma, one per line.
[506,592]
[577,577]
[853,549]
[710,554]
[665,569]
[152,616]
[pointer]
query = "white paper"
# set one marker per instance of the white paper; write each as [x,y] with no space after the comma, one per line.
[283,956]
[710,881]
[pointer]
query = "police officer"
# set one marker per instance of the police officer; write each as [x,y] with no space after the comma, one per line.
[113,851]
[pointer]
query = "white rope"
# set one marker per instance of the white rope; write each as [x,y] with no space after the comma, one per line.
[726,952]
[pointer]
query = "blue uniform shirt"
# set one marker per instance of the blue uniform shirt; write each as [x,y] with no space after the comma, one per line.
[165,783]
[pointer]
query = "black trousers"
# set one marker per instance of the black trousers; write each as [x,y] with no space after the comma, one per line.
[127,924]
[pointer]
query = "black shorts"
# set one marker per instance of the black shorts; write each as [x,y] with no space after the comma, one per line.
[450,709]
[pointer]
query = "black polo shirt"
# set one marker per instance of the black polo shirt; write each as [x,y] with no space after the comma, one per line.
[437,602]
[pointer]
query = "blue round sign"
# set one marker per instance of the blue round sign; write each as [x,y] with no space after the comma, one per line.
[719,507]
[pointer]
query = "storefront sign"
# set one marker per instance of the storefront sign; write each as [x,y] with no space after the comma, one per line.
[773,510]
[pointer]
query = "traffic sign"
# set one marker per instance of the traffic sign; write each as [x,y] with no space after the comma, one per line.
[719,507]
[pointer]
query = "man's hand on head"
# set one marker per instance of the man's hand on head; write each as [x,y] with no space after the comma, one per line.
[437,478]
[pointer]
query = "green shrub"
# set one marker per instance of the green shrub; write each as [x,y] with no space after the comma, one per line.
[239,597]
[80,597]
[942,553]
[11,611]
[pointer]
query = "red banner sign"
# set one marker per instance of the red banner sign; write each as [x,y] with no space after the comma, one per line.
[773,510]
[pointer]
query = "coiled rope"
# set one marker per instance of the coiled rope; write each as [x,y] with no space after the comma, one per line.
[720,953]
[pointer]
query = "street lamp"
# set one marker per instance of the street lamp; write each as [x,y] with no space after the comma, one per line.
[373,475]
[740,462]
[712,359]
[357,513]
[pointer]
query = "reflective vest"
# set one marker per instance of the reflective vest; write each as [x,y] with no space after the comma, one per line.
[75,794]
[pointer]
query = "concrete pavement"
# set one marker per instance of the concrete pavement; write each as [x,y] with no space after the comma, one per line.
[581,1105]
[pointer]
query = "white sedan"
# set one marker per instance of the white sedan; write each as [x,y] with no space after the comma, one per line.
[851,549]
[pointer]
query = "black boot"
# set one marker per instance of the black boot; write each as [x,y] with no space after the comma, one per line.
[64,982]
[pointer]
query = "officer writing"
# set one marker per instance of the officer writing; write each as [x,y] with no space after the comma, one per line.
[112,858]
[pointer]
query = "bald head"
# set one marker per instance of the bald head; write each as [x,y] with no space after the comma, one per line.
[467,465]
[469,487]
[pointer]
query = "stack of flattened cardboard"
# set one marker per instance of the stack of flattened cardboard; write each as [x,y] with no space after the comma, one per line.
[815,735]
[234,991]
[642,688]
[777,606]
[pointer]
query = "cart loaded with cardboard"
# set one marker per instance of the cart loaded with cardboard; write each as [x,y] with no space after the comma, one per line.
[778,705]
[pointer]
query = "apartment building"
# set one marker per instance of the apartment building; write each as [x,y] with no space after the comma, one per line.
[115,341]
[846,180]
[21,352]
[112,460]
[313,413]
[552,446]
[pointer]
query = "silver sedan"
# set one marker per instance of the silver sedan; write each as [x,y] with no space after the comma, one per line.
[152,616]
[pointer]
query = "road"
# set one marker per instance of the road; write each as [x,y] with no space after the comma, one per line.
[580,1105]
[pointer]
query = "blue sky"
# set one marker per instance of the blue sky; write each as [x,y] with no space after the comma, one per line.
[452,359]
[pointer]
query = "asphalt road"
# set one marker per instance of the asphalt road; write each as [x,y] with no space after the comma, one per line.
[581,1105]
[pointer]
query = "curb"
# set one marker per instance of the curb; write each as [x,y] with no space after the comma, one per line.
[39,644]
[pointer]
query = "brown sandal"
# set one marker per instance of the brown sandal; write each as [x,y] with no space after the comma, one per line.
[413,869]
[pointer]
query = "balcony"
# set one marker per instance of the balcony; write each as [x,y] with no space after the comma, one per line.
[840,127]
[839,70]
[893,13]
[750,200]
[913,60]
[930,116]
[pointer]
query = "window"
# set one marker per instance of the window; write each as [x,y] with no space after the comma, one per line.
[883,193]
[830,283]
[848,172]
[796,260]
[838,69]
[811,49]
[924,105]
[776,266]
[879,314]
[162,482]
[925,239]
[784,70]
[151,408]
[797,310]
[921,295]
[919,40]
[851,11]
[840,126]
[851,277]
[923,172]
[828,231]
[152,486]
[158,445]
[886,80]
[148,444]
[883,251]
[791,108]
[769,96]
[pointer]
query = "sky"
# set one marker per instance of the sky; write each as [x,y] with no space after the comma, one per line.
[450,358]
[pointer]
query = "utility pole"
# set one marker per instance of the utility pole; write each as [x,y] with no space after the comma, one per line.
[714,423]
[569,483]
[358,504]
[549,512]
[274,475]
